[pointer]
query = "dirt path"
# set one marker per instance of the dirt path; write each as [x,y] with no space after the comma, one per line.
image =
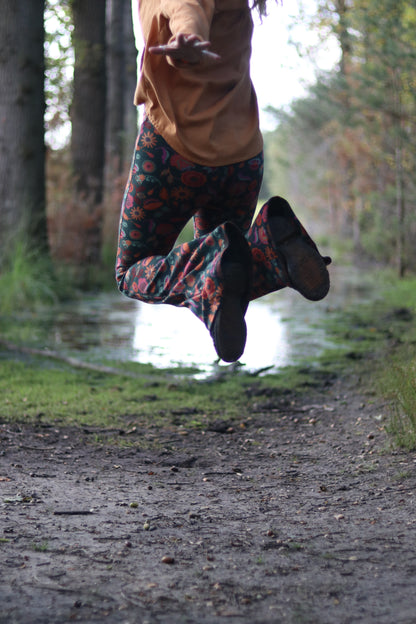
[297,515]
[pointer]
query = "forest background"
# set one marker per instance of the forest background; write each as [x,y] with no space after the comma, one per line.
[344,152]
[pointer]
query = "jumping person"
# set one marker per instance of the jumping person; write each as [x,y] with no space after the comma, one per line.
[199,154]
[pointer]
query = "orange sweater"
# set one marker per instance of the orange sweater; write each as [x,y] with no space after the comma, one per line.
[206,112]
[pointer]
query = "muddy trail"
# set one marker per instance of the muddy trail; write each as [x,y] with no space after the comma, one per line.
[299,513]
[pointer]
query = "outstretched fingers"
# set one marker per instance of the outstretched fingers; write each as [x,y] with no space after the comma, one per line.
[186,48]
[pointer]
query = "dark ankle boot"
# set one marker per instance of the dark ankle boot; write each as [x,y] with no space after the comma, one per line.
[305,267]
[228,330]
[284,254]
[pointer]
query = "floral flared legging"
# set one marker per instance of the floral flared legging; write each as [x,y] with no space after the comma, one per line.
[163,192]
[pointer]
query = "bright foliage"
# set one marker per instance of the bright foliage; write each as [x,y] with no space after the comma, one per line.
[349,147]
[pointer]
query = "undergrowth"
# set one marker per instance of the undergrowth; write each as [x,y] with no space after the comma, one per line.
[36,390]
[401,390]
[30,279]
[26,279]
[31,388]
[396,371]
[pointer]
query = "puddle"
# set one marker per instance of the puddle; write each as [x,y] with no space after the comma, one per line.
[281,328]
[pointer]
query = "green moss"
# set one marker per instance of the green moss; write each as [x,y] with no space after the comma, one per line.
[37,389]
[25,279]
[54,392]
[385,332]
[34,388]
[396,381]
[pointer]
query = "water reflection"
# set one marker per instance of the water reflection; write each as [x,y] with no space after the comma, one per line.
[164,335]
[281,328]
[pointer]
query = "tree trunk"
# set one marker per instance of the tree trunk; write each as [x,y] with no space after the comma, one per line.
[122,77]
[88,121]
[115,91]
[342,9]
[130,70]
[121,112]
[22,105]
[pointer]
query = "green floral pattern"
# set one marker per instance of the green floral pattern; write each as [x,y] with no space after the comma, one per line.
[163,192]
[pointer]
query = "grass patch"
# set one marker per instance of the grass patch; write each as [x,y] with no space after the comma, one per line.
[36,390]
[39,390]
[29,280]
[396,377]
[377,340]
[397,382]
[386,332]
[25,279]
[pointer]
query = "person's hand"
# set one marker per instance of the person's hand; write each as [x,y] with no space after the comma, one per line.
[186,48]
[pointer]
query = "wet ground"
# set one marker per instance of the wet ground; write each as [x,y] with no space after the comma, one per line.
[295,514]
[283,328]
[298,511]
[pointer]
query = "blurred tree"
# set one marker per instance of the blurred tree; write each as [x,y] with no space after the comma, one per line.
[350,143]
[22,152]
[88,117]
[121,115]
[382,85]
[122,78]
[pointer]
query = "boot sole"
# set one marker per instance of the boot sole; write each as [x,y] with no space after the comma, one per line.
[229,331]
[305,266]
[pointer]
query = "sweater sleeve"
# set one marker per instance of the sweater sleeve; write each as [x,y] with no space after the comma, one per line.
[190,17]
